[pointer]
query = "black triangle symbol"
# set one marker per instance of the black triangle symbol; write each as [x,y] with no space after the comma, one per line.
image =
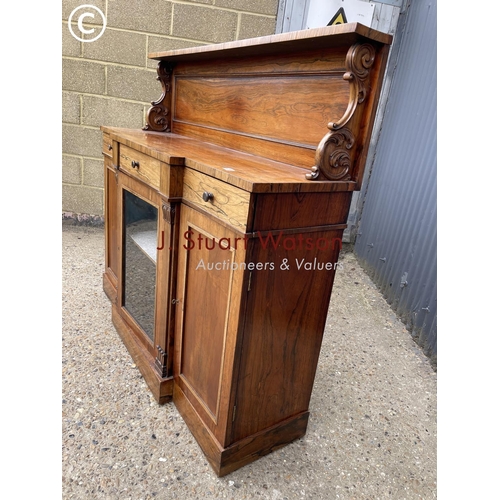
[338,18]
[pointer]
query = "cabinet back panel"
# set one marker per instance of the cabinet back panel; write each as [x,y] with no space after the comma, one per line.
[279,108]
[275,107]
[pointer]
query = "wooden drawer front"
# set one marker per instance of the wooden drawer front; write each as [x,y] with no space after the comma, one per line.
[228,203]
[107,145]
[141,166]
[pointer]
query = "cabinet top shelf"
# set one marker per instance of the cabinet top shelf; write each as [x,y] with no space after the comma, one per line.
[313,39]
[249,172]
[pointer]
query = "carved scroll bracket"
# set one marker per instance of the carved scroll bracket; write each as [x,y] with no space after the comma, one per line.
[158,118]
[335,153]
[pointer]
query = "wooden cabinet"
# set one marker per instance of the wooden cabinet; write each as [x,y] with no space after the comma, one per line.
[224,221]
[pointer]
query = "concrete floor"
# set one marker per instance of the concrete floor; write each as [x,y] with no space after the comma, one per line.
[372,428]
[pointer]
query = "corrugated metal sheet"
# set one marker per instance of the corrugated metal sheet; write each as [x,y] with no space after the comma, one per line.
[397,238]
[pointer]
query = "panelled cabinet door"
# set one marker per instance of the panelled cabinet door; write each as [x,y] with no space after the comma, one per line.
[209,294]
[112,247]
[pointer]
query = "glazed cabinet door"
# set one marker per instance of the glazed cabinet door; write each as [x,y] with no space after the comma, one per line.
[147,235]
[139,259]
[209,294]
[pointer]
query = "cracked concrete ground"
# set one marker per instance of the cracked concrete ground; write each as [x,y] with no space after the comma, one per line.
[372,428]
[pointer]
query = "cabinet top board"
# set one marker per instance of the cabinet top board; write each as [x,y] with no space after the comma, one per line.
[294,41]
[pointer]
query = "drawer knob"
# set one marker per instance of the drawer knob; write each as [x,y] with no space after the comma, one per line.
[135,164]
[208,196]
[110,147]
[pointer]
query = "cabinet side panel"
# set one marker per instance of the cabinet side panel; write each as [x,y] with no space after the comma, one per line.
[286,314]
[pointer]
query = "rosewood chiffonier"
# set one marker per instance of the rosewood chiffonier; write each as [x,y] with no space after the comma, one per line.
[224,218]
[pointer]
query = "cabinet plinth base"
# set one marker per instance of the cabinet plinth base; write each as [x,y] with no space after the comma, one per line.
[160,387]
[247,450]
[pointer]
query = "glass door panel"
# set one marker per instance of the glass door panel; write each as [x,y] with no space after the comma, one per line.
[139,260]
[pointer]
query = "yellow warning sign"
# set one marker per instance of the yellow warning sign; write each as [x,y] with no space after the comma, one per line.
[338,18]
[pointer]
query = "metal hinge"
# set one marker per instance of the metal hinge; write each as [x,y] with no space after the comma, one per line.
[234,413]
[168,213]
[249,282]
[115,172]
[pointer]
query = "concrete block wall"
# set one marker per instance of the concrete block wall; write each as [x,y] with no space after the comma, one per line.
[110,81]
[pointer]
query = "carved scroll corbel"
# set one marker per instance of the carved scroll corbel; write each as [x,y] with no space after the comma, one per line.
[158,118]
[335,153]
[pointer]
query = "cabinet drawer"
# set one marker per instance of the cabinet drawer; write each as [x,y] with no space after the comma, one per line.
[107,145]
[139,165]
[228,203]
